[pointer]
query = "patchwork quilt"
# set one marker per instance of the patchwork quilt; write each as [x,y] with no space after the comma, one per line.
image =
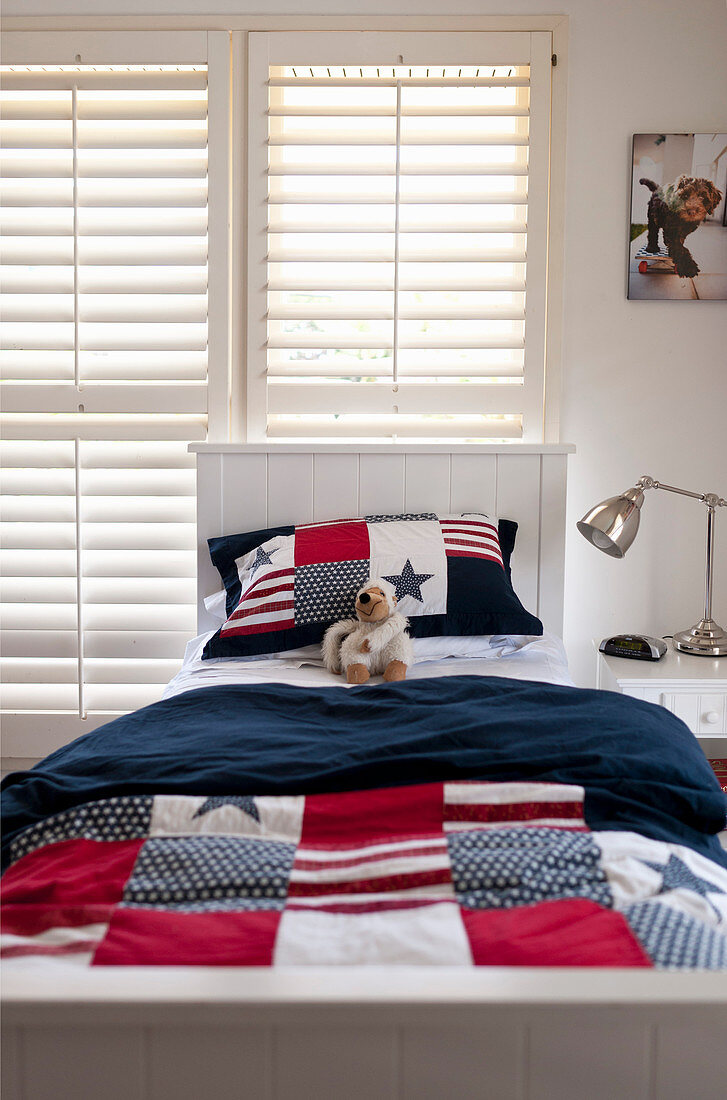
[457,821]
[458,873]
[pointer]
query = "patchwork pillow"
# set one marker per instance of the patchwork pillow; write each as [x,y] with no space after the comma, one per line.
[286,585]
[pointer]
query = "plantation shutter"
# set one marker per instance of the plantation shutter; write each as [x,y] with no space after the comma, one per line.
[104,355]
[398,221]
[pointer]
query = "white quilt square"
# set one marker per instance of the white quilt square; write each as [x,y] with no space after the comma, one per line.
[278,817]
[411,555]
[640,869]
[277,553]
[431,935]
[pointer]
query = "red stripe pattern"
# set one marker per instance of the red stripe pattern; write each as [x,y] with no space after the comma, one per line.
[525,811]
[492,805]
[266,604]
[471,537]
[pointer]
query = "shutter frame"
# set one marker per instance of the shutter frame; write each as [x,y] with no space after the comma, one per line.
[265,377]
[116,555]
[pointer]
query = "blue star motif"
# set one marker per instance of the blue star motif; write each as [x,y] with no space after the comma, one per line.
[261,558]
[676,875]
[243,802]
[409,583]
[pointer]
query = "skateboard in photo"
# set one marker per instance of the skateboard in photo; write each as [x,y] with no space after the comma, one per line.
[654,263]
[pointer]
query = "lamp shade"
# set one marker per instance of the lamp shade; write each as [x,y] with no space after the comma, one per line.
[612,525]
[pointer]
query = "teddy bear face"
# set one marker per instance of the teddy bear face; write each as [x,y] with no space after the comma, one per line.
[373,605]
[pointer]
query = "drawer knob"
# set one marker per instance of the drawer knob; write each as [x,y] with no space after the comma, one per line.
[711,717]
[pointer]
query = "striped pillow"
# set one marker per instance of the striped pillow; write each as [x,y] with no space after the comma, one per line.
[286,585]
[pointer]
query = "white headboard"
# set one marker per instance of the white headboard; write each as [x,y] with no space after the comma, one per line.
[246,486]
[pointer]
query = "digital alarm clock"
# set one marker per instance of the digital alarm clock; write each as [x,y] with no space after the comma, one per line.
[638,646]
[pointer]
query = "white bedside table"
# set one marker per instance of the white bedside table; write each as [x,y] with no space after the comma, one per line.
[693,688]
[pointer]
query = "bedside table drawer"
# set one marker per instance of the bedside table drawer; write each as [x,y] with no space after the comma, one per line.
[693,688]
[704,713]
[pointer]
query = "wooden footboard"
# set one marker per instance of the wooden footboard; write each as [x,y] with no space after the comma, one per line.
[364,1034]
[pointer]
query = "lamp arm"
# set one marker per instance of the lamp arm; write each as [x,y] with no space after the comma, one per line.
[710,499]
[612,525]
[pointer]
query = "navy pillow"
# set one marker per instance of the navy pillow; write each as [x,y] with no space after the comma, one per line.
[452,577]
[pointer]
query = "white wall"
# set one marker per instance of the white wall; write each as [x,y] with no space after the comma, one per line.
[645,383]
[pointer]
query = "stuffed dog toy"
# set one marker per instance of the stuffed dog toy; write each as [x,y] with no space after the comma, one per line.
[375,641]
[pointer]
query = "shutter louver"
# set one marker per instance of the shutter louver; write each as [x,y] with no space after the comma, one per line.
[104,281]
[397,226]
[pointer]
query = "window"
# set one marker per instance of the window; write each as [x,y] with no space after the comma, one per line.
[393,257]
[397,235]
[104,272]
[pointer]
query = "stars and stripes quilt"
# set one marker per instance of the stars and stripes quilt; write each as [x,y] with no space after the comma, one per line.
[286,585]
[457,874]
[457,821]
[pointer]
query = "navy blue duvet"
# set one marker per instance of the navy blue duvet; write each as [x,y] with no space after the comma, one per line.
[641,767]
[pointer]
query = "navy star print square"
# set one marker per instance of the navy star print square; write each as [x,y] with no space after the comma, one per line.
[327,592]
[409,583]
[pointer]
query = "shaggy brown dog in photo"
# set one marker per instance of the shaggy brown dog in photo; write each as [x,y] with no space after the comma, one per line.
[678,209]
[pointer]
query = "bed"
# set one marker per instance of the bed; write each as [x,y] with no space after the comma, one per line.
[476,882]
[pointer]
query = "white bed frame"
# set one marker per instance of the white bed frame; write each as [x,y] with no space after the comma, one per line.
[244,487]
[371,1033]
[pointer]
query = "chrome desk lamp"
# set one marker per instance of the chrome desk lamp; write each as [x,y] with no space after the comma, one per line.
[612,525]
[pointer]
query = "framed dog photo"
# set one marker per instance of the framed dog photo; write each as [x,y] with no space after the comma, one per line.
[678,243]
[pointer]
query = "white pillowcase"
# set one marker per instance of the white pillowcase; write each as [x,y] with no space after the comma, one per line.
[469,645]
[425,649]
[216,605]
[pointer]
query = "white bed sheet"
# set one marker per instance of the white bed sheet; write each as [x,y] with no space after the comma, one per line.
[520,658]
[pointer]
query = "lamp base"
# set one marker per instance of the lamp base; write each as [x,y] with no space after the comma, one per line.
[706,639]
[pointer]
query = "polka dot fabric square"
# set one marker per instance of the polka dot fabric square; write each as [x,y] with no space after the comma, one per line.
[195,874]
[502,868]
[124,818]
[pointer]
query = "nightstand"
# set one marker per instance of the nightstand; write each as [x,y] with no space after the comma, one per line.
[693,688]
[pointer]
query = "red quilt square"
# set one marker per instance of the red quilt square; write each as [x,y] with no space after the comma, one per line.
[154,937]
[31,920]
[324,542]
[356,817]
[569,932]
[74,872]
